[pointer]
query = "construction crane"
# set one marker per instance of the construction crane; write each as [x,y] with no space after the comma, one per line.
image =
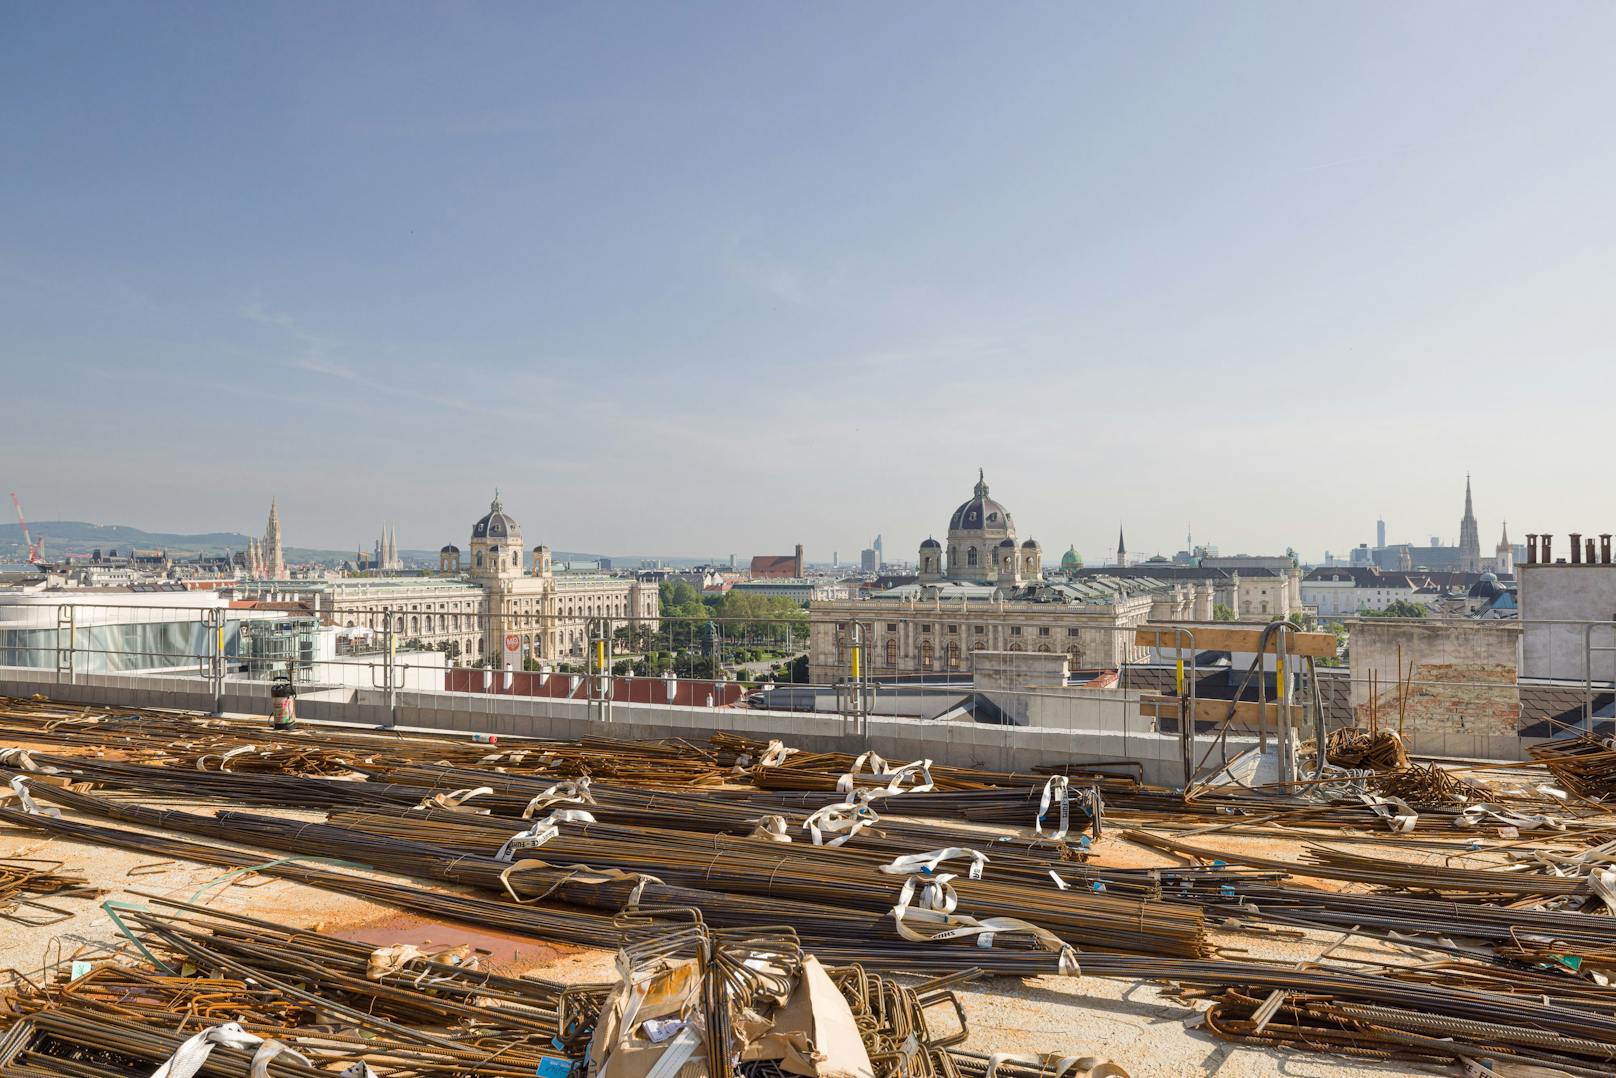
[33,547]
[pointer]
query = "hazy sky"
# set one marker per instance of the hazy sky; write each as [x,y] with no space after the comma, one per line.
[705,278]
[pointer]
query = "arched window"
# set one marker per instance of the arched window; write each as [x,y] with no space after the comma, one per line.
[892,651]
[953,657]
[1074,657]
[1017,647]
[482,645]
[479,559]
[925,655]
[415,625]
[398,624]
[516,557]
[970,557]
[350,623]
[1043,649]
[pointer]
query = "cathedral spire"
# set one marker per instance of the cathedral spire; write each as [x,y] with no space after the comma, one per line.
[981,484]
[270,555]
[1469,536]
[1122,548]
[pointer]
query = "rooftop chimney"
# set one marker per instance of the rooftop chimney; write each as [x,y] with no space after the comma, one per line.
[1604,548]
[1531,548]
[1548,548]
[1576,548]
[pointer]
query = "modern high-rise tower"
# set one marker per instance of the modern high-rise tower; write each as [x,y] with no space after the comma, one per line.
[1380,533]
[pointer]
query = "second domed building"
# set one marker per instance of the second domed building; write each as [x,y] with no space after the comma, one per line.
[982,546]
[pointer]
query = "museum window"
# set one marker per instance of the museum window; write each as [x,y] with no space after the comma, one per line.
[926,628]
[970,557]
[1043,630]
[1017,647]
[926,654]
[953,629]
[1015,630]
[892,626]
[892,652]
[980,629]
[953,657]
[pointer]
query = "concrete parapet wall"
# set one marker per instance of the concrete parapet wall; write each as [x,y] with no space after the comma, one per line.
[960,744]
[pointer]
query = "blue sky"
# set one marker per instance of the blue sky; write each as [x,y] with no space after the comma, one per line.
[706,278]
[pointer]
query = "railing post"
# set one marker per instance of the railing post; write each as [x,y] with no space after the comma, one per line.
[390,673]
[217,671]
[67,618]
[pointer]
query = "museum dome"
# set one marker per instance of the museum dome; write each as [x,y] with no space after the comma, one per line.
[496,525]
[981,513]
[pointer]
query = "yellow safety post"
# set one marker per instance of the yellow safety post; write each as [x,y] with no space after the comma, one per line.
[855,662]
[600,656]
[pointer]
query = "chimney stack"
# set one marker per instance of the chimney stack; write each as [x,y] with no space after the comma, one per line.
[1547,548]
[1589,557]
[1604,548]
[1576,548]
[1531,548]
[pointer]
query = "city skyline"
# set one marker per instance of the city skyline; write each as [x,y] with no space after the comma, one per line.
[808,269]
[428,548]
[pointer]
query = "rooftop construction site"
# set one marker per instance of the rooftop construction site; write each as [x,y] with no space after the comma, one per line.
[221,875]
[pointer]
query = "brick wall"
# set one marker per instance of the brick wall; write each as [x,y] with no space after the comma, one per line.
[1464,676]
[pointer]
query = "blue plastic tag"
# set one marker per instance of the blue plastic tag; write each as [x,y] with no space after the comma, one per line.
[552,1067]
[80,968]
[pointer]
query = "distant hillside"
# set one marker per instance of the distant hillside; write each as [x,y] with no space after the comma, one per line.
[81,537]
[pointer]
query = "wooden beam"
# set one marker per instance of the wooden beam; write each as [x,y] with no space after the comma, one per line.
[1248,714]
[1227,637]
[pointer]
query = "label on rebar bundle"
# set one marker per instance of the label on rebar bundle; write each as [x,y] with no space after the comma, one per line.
[553,1067]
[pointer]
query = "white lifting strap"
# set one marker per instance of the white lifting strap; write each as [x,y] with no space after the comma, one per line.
[1401,822]
[920,771]
[573,791]
[1057,791]
[189,1057]
[911,863]
[775,755]
[453,799]
[771,827]
[23,760]
[541,832]
[19,786]
[842,820]
[1476,815]
[952,926]
[268,1051]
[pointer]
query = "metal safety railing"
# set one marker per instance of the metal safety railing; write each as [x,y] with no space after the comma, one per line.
[852,669]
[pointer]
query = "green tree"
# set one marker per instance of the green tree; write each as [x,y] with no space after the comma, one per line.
[1222,612]
[1401,608]
[1339,658]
